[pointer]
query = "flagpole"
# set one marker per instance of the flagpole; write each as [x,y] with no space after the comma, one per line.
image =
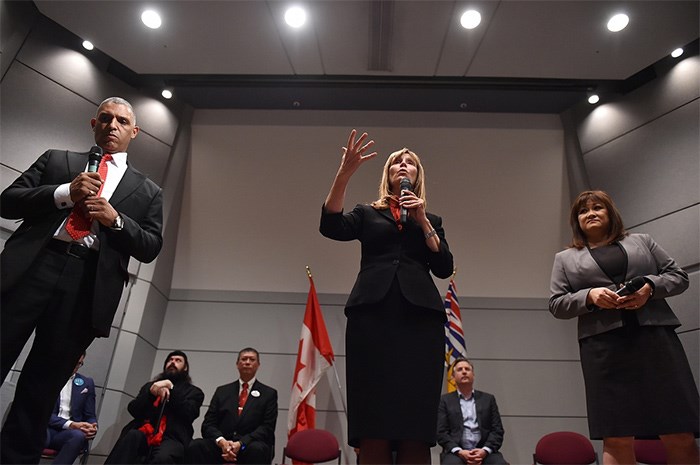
[340,389]
[335,370]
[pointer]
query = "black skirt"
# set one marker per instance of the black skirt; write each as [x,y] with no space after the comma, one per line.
[395,358]
[638,383]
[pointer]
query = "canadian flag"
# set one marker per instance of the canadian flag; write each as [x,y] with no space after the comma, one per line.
[315,356]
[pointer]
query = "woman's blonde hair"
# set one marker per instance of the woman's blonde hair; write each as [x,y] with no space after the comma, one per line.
[385,193]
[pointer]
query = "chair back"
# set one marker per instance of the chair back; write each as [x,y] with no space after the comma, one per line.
[312,446]
[564,447]
[650,451]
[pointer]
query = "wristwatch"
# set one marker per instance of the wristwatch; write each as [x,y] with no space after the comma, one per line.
[118,224]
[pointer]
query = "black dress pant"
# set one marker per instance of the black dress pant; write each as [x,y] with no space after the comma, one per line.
[205,451]
[495,458]
[54,300]
[132,447]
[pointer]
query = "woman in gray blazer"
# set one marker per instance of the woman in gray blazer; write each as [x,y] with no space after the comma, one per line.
[394,305]
[637,377]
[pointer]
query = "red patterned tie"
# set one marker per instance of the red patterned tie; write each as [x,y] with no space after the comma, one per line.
[78,225]
[242,397]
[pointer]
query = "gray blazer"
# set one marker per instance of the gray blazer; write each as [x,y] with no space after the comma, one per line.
[575,273]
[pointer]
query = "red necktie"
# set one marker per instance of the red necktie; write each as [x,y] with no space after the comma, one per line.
[242,397]
[78,225]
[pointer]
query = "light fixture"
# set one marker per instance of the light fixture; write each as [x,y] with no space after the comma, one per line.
[470,19]
[167,94]
[677,52]
[151,19]
[87,45]
[593,99]
[618,22]
[295,16]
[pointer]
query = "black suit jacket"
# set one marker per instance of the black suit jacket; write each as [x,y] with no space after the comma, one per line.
[82,403]
[257,420]
[30,198]
[181,410]
[388,252]
[451,423]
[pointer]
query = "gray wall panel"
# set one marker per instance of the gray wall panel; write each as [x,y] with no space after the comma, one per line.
[216,326]
[678,233]
[29,129]
[687,305]
[653,170]
[535,333]
[16,19]
[83,72]
[150,156]
[608,121]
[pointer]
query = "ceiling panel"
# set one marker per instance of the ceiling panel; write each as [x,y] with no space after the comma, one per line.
[219,53]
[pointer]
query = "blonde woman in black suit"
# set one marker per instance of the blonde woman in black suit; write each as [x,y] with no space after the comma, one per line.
[394,307]
[638,380]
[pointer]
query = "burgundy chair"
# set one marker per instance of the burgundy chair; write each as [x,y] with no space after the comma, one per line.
[650,451]
[564,448]
[312,446]
[50,454]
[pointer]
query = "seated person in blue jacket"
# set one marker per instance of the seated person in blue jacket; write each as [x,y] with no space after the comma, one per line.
[469,424]
[73,420]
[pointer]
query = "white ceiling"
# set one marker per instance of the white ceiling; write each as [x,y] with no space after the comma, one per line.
[414,40]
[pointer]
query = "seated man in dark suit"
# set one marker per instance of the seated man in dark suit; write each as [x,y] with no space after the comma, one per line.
[73,421]
[469,425]
[239,425]
[163,413]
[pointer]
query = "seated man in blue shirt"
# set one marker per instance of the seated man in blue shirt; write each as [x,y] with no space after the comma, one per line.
[73,420]
[469,425]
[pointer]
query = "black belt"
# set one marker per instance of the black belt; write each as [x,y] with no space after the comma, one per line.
[73,249]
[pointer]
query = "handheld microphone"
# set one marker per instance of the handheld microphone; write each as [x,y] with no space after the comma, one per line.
[631,286]
[405,186]
[94,158]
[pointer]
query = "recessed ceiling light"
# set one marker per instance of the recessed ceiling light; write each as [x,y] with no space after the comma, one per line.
[677,52]
[470,19]
[295,16]
[151,19]
[168,94]
[618,22]
[87,45]
[593,99]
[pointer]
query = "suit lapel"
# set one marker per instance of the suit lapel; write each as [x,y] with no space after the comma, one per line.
[386,213]
[131,180]
[75,396]
[479,407]
[248,401]
[76,163]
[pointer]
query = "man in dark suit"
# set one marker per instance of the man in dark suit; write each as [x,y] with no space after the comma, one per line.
[64,268]
[469,425]
[239,425]
[73,421]
[163,413]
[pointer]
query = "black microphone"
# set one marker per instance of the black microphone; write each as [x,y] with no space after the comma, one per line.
[631,286]
[405,186]
[94,158]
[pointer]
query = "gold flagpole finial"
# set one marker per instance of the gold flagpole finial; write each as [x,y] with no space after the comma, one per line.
[454,272]
[308,271]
